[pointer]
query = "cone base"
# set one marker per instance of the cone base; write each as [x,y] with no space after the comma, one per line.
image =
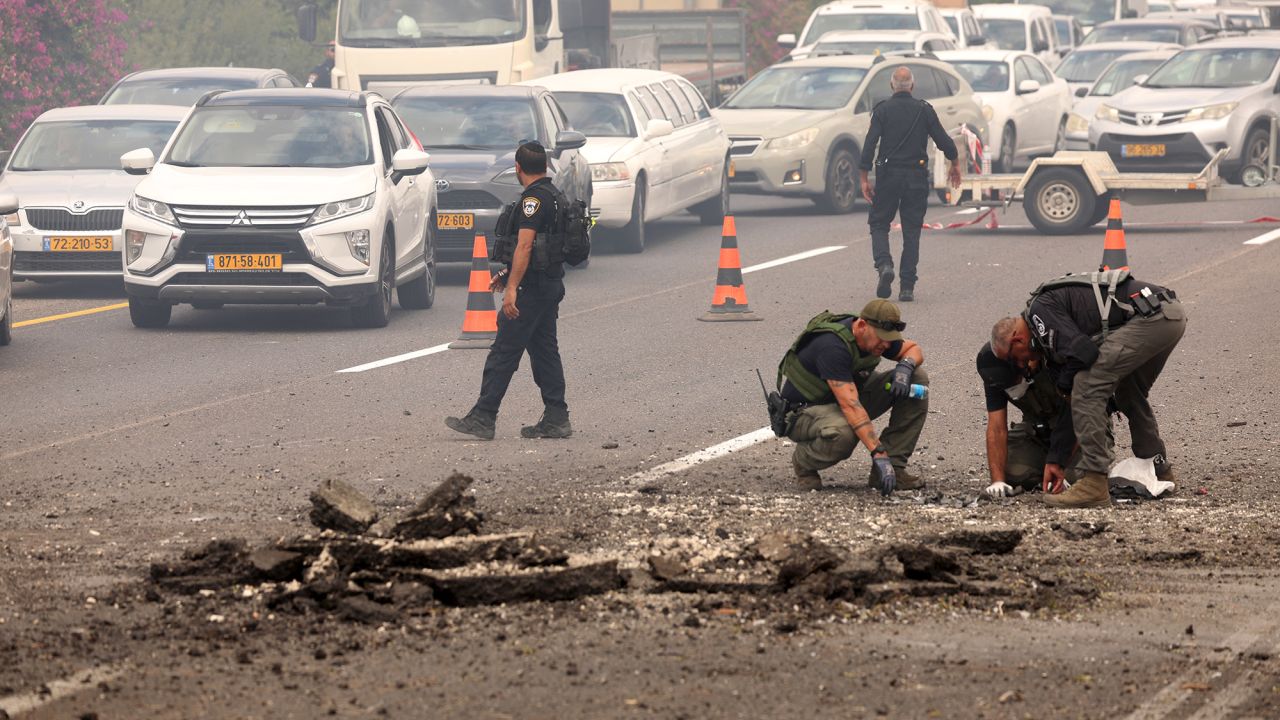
[473,343]
[734,316]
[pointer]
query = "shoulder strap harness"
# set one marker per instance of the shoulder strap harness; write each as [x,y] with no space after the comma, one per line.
[813,388]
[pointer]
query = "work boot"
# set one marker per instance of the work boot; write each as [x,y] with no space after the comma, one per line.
[906,293]
[806,479]
[903,479]
[476,422]
[1164,471]
[547,429]
[1092,491]
[885,288]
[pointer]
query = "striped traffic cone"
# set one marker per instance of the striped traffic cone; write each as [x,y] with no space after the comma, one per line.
[480,325]
[730,300]
[1114,254]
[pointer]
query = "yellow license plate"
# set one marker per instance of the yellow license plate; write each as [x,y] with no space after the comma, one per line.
[232,262]
[732,169]
[455,221]
[78,244]
[1143,150]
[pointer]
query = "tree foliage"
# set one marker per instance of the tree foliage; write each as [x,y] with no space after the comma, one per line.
[766,19]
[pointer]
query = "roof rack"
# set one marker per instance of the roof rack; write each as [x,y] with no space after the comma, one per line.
[919,54]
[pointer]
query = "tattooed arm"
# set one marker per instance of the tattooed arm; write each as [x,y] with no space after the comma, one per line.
[856,415]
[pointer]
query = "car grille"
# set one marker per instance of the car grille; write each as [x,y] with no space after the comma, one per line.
[274,279]
[98,262]
[456,240]
[744,177]
[468,200]
[740,146]
[195,245]
[58,219]
[1132,118]
[191,216]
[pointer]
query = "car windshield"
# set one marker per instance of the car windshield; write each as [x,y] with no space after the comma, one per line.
[597,114]
[88,144]
[1128,33]
[828,22]
[1121,75]
[863,47]
[1215,68]
[425,23]
[272,136]
[1087,12]
[802,88]
[1063,30]
[469,122]
[1006,34]
[171,91]
[984,76]
[1086,66]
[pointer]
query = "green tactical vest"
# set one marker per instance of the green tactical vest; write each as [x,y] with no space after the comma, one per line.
[813,388]
[1041,402]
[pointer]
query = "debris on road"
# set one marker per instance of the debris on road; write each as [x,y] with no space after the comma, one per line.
[336,505]
[1081,530]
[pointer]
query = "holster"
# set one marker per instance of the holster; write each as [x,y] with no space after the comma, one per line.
[781,418]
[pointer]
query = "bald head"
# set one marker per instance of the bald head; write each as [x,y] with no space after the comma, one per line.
[902,80]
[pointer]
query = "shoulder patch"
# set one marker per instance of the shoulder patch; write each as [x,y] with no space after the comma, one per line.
[529,205]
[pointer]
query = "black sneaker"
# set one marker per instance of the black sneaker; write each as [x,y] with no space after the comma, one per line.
[473,424]
[906,293]
[547,429]
[885,288]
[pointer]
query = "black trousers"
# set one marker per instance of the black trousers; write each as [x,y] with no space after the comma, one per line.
[538,300]
[903,192]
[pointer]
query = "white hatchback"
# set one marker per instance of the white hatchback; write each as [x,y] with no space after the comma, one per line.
[653,146]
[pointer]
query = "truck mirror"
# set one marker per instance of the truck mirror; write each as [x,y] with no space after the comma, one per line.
[306,15]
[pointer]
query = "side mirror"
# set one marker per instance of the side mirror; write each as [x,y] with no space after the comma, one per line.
[975,40]
[1040,46]
[1140,79]
[410,162]
[787,41]
[1082,91]
[1028,86]
[540,42]
[138,162]
[306,16]
[570,140]
[8,203]
[658,127]
[1129,13]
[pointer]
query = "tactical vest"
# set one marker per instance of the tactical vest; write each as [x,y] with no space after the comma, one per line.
[814,389]
[1041,402]
[1110,279]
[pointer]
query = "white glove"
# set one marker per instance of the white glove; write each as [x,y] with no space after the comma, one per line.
[998,489]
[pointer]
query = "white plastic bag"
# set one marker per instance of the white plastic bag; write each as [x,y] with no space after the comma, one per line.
[1140,475]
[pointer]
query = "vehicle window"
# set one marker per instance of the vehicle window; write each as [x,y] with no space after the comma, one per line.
[984,76]
[972,24]
[1121,75]
[1021,71]
[1039,72]
[877,91]
[803,88]
[948,84]
[827,22]
[668,107]
[432,23]
[1216,68]
[598,114]
[695,99]
[953,22]
[269,136]
[1037,34]
[642,113]
[1129,32]
[386,138]
[1088,12]
[650,103]
[682,102]
[468,122]
[860,47]
[1006,34]
[926,84]
[541,16]
[175,91]
[551,118]
[88,144]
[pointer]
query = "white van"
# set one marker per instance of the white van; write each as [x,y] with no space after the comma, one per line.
[864,15]
[1028,28]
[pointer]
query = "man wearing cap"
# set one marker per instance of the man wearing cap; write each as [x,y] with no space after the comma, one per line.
[321,76]
[832,384]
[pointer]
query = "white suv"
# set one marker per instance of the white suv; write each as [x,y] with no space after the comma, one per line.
[282,196]
[862,15]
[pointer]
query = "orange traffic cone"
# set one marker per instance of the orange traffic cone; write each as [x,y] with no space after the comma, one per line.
[480,325]
[730,300]
[1114,254]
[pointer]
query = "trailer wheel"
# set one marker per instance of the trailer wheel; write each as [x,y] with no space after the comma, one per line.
[1102,208]
[1060,201]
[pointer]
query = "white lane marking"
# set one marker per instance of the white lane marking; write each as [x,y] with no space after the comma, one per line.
[728,446]
[16,705]
[397,359]
[1264,238]
[793,258]
[970,211]
[1230,697]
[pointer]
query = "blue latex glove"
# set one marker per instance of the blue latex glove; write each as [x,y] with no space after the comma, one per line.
[888,478]
[900,385]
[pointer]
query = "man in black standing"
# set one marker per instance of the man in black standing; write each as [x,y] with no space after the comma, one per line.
[901,127]
[532,287]
[321,76]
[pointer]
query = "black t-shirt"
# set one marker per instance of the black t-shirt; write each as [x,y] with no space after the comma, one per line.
[324,74]
[537,212]
[826,356]
[997,377]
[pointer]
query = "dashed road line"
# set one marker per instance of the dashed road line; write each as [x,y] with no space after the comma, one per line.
[396,359]
[69,315]
[16,705]
[792,258]
[1264,238]
[715,451]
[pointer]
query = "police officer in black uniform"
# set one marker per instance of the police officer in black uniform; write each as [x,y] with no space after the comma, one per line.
[901,127]
[531,294]
[321,76]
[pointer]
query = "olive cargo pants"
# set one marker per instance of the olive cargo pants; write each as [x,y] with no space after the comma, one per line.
[824,437]
[1128,364]
[1024,466]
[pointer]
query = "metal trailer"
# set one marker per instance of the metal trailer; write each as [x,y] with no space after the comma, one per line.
[1070,191]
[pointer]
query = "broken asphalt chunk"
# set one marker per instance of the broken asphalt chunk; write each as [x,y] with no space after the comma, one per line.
[336,505]
[447,510]
[533,585]
[981,542]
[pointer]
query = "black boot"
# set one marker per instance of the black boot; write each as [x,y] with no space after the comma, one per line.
[548,428]
[906,293]
[885,288]
[477,422]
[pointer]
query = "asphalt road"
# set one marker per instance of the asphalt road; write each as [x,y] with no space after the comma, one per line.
[120,446]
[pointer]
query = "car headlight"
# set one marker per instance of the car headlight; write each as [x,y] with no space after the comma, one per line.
[341,209]
[1077,124]
[358,243]
[1210,112]
[134,241]
[507,177]
[795,139]
[1106,112]
[12,219]
[153,209]
[988,112]
[610,171]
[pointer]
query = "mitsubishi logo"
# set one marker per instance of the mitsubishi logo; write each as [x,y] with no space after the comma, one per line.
[241,219]
[442,185]
[1148,118]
